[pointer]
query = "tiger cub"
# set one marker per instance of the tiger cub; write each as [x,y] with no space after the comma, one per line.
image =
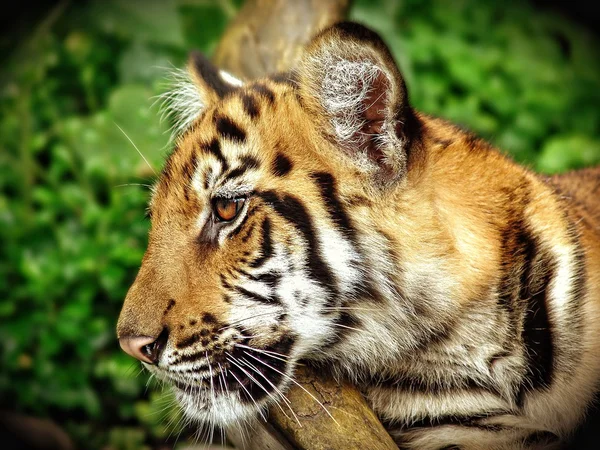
[317,216]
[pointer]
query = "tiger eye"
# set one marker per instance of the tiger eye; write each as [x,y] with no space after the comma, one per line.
[227,209]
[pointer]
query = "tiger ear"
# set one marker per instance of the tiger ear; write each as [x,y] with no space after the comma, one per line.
[349,80]
[194,90]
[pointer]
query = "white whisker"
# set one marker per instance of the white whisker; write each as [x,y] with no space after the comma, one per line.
[346,326]
[259,385]
[212,395]
[138,150]
[134,184]
[283,397]
[296,383]
[251,398]
[279,356]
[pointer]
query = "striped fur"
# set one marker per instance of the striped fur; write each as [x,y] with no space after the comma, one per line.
[460,291]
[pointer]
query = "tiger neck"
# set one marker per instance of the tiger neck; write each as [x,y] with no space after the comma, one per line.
[464,263]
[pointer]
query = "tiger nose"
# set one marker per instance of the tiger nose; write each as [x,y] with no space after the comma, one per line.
[146,349]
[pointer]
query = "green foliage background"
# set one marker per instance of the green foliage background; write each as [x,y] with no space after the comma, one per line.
[73,189]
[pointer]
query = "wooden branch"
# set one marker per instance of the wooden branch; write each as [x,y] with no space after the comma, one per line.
[267,37]
[351,425]
[326,415]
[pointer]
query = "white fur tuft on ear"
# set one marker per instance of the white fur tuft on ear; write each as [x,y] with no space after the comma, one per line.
[344,90]
[192,91]
[182,103]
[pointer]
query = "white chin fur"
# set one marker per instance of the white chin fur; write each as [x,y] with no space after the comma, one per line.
[222,410]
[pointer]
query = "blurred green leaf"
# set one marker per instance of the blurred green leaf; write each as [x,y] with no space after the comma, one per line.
[564,153]
[142,63]
[154,21]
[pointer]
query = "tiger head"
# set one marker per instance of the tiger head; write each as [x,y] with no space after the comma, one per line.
[262,241]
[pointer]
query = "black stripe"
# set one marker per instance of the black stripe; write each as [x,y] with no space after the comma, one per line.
[237,172]
[283,346]
[523,288]
[514,246]
[192,358]
[264,91]
[248,234]
[287,78]
[341,333]
[271,300]
[210,74]
[188,170]
[240,226]
[436,335]
[292,209]
[256,390]
[167,172]
[432,386]
[250,106]
[190,340]
[368,289]
[281,165]
[536,336]
[189,167]
[461,420]
[527,270]
[327,187]
[207,177]
[214,147]
[228,129]
[270,278]
[210,318]
[250,162]
[247,163]
[537,332]
[266,247]
[224,282]
[169,307]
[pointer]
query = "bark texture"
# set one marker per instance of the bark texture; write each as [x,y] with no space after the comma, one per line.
[267,36]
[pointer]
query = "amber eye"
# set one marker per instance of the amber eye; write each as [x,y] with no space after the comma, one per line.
[226,209]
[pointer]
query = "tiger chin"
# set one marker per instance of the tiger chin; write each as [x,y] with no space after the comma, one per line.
[315,215]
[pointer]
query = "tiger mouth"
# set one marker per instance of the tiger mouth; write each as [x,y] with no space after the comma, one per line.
[252,375]
[222,382]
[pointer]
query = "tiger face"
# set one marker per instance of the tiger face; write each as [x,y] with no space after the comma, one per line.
[252,257]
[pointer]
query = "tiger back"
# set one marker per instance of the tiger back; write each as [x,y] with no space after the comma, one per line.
[316,216]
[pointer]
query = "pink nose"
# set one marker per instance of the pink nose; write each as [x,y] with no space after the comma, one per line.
[146,349]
